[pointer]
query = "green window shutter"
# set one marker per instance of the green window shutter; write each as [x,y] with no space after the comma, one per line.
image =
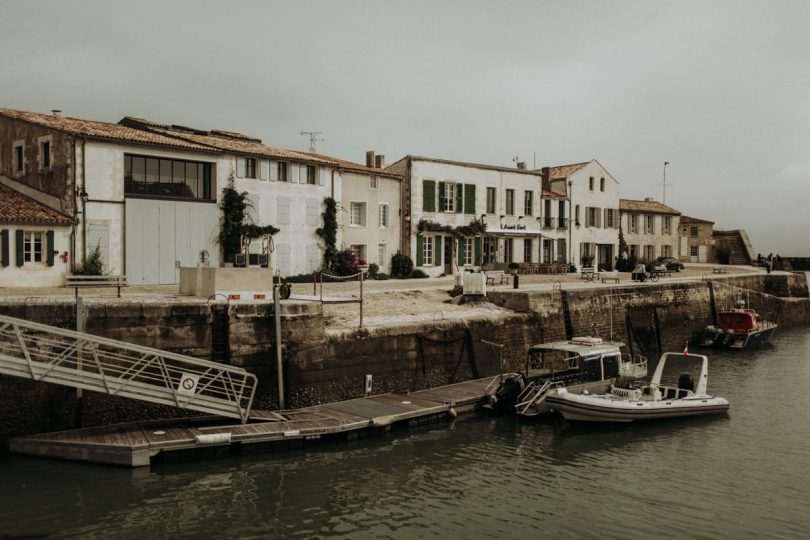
[441,197]
[460,251]
[4,245]
[437,256]
[49,247]
[18,247]
[428,196]
[420,251]
[459,198]
[469,199]
[477,259]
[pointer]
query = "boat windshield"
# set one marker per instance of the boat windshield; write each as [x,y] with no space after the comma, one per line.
[551,360]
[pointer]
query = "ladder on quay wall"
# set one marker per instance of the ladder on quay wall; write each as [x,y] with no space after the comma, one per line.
[65,357]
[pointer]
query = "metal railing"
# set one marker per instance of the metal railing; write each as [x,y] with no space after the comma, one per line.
[55,355]
[562,223]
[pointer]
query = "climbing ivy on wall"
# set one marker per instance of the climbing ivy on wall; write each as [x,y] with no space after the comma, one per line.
[234,205]
[475,228]
[328,233]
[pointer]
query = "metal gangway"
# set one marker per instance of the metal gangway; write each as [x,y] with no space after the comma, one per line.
[65,357]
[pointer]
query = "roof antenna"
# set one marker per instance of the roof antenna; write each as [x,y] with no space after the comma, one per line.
[56,112]
[664,184]
[313,138]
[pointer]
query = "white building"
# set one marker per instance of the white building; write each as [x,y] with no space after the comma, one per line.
[594,194]
[370,209]
[650,229]
[523,225]
[34,242]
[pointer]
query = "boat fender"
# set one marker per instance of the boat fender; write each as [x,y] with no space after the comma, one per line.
[382,421]
[213,438]
[562,390]
[452,412]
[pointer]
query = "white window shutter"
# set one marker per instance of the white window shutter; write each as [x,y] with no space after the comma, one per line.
[294,173]
[273,171]
[264,173]
[240,167]
[324,172]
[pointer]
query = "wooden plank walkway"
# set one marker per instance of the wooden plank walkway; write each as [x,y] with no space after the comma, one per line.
[136,444]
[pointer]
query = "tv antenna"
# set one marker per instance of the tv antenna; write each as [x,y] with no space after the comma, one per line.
[313,138]
[664,183]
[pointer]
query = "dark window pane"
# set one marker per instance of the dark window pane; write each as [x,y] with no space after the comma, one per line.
[179,179]
[128,174]
[191,179]
[207,182]
[152,176]
[139,174]
[166,177]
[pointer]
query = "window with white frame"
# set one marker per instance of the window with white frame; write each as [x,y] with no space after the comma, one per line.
[32,247]
[357,214]
[428,250]
[490,244]
[592,217]
[491,200]
[693,251]
[649,252]
[283,172]
[527,250]
[44,154]
[312,175]
[590,183]
[382,254]
[468,251]
[383,215]
[601,184]
[666,251]
[632,223]
[649,224]
[510,202]
[359,252]
[449,197]
[693,231]
[632,250]
[373,182]
[666,225]
[528,203]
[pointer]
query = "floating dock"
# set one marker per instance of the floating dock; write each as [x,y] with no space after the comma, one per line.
[138,444]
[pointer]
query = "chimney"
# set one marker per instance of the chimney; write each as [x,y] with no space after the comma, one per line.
[379,161]
[648,199]
[56,112]
[521,165]
[545,176]
[370,158]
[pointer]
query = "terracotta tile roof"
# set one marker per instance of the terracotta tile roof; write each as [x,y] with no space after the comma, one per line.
[19,209]
[686,220]
[551,195]
[225,141]
[647,205]
[355,167]
[101,130]
[467,164]
[564,171]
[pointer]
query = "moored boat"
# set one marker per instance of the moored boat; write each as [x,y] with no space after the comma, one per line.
[653,401]
[738,328]
[579,364]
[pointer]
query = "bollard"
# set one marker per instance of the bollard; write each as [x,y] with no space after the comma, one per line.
[515,281]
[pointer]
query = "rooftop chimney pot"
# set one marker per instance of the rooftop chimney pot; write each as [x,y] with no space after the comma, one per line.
[521,165]
[370,158]
[379,161]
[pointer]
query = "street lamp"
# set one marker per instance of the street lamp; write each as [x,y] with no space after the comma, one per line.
[570,223]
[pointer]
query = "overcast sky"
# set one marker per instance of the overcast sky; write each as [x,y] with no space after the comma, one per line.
[721,90]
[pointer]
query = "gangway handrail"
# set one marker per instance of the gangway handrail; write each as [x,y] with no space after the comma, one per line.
[66,357]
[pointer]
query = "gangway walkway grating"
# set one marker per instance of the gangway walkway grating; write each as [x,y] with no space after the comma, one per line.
[69,358]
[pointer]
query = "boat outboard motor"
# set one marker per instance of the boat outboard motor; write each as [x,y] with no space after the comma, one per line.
[686,382]
[506,395]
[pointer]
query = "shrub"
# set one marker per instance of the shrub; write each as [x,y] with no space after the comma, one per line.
[401,266]
[373,270]
[626,265]
[723,254]
[587,260]
[344,263]
[418,274]
[94,265]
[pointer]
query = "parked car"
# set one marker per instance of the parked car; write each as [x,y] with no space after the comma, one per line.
[672,264]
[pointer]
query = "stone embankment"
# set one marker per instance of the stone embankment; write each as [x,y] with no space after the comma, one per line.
[403,346]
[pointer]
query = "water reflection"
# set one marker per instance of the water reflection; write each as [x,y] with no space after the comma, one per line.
[741,475]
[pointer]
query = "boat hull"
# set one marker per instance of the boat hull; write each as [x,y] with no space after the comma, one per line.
[737,341]
[595,409]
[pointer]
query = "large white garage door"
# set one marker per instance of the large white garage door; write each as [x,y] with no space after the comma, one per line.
[161,233]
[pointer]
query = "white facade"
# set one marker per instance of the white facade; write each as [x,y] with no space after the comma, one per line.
[510,203]
[649,234]
[292,206]
[33,273]
[370,216]
[594,196]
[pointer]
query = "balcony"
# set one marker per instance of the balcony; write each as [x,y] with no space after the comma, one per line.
[562,223]
[548,222]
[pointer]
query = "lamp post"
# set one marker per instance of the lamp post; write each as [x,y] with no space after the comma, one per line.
[664,184]
[84,197]
[570,223]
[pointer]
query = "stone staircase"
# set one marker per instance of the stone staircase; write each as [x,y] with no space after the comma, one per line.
[738,244]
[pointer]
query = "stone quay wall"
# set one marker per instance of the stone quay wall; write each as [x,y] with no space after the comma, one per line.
[322,365]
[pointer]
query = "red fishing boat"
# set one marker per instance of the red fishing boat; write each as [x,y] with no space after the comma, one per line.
[738,328]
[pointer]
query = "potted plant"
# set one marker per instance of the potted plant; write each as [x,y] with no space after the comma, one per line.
[513,268]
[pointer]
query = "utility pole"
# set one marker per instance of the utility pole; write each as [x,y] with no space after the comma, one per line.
[664,184]
[313,138]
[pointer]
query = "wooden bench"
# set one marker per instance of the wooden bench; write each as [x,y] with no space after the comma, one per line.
[492,275]
[78,282]
[587,273]
[661,271]
[719,270]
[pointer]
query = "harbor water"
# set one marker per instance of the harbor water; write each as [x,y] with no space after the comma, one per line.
[745,475]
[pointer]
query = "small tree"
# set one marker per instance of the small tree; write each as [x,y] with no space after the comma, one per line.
[233,207]
[622,262]
[93,265]
[401,266]
[328,234]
